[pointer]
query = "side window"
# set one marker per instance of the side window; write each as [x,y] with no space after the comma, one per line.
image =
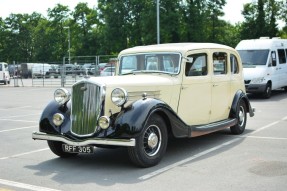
[282,56]
[219,63]
[0,67]
[6,68]
[196,65]
[234,64]
[272,59]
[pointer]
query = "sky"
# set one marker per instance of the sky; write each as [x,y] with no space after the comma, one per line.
[232,9]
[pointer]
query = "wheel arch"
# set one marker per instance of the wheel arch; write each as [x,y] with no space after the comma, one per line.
[165,118]
[133,118]
[240,95]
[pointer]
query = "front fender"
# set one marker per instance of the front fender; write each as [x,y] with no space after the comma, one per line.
[46,120]
[132,119]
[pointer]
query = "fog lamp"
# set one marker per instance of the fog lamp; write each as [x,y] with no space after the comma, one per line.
[104,122]
[58,119]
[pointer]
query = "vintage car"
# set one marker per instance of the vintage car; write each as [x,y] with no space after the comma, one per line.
[159,91]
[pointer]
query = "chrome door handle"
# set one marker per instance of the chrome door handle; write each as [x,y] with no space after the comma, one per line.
[183,87]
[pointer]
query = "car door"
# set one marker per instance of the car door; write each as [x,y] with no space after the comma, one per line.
[282,67]
[195,97]
[273,70]
[220,102]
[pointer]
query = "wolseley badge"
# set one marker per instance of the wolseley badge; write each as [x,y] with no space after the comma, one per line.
[83,88]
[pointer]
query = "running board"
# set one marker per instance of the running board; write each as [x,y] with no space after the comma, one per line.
[212,127]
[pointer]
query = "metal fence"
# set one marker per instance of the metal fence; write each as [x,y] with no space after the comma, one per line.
[65,73]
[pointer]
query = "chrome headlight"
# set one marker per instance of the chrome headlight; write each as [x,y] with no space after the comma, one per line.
[119,96]
[62,95]
[58,119]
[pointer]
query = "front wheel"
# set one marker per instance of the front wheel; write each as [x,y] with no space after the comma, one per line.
[241,119]
[57,149]
[151,144]
[268,91]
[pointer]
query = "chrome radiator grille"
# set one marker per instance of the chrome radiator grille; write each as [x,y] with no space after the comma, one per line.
[86,108]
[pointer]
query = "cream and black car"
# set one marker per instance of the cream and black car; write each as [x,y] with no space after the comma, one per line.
[158,91]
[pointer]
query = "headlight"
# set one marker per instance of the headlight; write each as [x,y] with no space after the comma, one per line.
[62,96]
[58,119]
[257,80]
[104,122]
[119,96]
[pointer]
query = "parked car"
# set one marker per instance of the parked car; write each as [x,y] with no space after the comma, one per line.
[95,70]
[4,73]
[108,71]
[71,69]
[26,70]
[102,66]
[173,90]
[41,70]
[264,64]
[54,71]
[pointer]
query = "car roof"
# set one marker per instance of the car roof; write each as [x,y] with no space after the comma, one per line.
[174,47]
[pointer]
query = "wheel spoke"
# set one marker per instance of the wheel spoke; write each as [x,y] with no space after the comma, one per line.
[152,140]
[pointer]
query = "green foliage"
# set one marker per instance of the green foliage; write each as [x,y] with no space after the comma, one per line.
[116,25]
[261,18]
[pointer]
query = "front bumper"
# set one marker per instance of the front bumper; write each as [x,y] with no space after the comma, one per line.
[255,88]
[89,141]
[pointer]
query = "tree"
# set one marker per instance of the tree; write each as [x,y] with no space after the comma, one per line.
[214,11]
[83,20]
[114,16]
[57,34]
[260,19]
[193,21]
[170,21]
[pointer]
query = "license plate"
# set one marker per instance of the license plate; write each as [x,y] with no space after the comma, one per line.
[78,149]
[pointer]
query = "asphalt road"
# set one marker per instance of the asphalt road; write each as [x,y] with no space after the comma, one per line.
[256,160]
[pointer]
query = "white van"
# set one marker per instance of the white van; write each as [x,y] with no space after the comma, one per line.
[41,70]
[264,64]
[4,73]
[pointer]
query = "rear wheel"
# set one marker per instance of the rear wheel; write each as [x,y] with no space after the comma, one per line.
[241,119]
[151,144]
[57,149]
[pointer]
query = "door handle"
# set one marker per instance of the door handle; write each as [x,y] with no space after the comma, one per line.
[214,85]
[183,87]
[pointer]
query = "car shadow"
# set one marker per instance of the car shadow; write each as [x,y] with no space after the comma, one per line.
[107,167]
[275,96]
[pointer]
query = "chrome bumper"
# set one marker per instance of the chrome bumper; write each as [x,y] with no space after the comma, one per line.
[90,141]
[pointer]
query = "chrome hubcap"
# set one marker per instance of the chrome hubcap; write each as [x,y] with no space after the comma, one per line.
[152,140]
[241,116]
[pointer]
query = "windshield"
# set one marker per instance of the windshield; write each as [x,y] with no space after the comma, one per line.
[253,57]
[150,63]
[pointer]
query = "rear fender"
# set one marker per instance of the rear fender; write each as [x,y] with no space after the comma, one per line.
[240,95]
